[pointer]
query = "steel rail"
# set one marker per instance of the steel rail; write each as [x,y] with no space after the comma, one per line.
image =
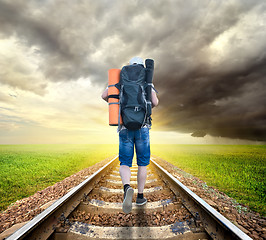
[44,224]
[216,225]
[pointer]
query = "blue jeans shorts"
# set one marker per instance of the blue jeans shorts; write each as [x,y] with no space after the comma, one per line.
[138,138]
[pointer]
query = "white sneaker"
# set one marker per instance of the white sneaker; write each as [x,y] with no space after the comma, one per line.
[127,203]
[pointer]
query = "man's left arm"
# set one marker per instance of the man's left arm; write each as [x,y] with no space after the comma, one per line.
[154,98]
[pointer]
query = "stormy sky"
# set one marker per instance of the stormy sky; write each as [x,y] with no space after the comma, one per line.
[210,58]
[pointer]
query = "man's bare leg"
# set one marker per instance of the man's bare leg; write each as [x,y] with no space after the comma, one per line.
[142,175]
[125,174]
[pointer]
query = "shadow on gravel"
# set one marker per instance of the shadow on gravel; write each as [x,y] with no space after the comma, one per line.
[142,221]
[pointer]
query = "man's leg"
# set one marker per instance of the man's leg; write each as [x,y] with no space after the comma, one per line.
[125,174]
[142,174]
[126,152]
[143,159]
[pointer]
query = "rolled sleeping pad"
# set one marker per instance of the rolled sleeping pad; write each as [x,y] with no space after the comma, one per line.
[113,97]
[149,77]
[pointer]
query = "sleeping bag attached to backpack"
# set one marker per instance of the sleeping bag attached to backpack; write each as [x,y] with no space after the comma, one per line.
[132,99]
[149,77]
[113,96]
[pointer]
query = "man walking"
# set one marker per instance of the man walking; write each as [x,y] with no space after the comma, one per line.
[128,139]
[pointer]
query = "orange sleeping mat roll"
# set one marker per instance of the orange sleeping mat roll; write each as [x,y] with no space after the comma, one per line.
[113,93]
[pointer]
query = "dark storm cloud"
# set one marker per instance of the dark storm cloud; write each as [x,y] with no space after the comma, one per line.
[209,55]
[229,105]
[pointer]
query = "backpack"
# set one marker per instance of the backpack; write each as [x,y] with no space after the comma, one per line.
[132,96]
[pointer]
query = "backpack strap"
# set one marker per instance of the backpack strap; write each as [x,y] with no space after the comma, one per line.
[152,86]
[116,96]
[119,114]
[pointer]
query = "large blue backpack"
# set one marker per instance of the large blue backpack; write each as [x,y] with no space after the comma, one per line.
[132,98]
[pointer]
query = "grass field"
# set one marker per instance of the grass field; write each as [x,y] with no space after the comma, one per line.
[26,169]
[237,170]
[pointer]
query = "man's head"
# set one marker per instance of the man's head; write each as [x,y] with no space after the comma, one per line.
[136,60]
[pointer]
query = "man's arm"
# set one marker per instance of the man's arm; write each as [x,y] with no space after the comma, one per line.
[154,99]
[105,95]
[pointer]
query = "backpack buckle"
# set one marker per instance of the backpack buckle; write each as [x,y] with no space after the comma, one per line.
[136,109]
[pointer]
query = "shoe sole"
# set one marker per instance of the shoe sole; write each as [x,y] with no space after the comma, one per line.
[127,203]
[140,204]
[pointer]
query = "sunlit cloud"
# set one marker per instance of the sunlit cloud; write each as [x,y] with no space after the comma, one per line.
[19,67]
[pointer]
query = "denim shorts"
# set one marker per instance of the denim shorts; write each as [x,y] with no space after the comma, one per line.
[138,138]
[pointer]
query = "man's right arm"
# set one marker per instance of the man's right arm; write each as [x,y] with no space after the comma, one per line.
[105,95]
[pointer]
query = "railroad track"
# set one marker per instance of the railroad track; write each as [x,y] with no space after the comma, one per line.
[93,210]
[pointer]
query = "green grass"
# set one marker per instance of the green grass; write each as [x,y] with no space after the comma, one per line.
[237,170]
[26,169]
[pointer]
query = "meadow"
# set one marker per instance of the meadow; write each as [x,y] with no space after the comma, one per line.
[237,170]
[26,169]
